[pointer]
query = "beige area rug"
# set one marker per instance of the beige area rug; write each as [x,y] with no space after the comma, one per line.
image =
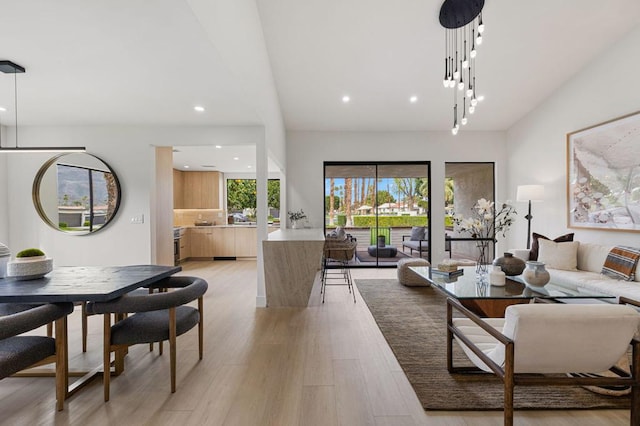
[412,320]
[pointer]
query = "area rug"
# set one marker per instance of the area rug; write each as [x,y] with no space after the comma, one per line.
[413,321]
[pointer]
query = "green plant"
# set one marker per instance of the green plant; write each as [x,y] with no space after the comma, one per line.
[296,215]
[30,252]
[63,225]
[86,223]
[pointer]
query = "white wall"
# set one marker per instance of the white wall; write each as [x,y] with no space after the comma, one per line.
[306,152]
[4,201]
[536,145]
[130,151]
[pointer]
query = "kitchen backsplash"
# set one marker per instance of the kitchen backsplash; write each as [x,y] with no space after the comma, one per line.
[188,217]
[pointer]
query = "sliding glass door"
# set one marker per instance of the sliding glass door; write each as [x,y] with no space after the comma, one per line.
[379,204]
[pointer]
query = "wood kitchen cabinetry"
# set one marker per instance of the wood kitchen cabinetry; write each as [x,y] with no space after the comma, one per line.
[246,242]
[185,245]
[220,241]
[201,241]
[224,242]
[196,190]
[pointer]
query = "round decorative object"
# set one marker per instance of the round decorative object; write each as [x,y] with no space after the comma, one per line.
[536,274]
[510,264]
[29,268]
[88,198]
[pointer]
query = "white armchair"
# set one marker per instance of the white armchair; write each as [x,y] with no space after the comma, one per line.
[535,340]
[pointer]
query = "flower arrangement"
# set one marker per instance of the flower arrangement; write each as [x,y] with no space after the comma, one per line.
[485,224]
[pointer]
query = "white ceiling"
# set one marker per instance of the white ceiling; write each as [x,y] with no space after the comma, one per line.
[227,158]
[138,62]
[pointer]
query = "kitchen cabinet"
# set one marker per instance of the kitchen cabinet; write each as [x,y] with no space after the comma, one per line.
[185,245]
[202,242]
[246,242]
[201,190]
[224,242]
[178,189]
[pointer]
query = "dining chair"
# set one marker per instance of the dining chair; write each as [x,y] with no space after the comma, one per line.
[544,343]
[151,318]
[19,352]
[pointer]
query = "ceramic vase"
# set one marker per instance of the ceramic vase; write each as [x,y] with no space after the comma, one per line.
[536,274]
[497,277]
[510,264]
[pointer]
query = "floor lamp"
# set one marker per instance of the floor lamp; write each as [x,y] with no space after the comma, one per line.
[529,193]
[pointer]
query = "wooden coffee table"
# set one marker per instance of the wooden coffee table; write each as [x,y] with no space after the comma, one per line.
[491,301]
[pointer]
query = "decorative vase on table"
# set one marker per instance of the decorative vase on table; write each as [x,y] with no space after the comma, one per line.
[536,274]
[510,264]
[294,224]
[482,264]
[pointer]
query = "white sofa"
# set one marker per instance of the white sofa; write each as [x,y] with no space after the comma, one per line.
[591,258]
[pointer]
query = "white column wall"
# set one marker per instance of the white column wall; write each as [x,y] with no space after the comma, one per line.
[536,146]
[306,152]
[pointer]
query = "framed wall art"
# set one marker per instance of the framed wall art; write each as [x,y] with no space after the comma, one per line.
[603,175]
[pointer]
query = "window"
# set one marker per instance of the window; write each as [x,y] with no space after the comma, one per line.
[242,199]
[87,197]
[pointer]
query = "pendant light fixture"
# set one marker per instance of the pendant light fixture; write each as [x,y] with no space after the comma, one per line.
[9,67]
[464,28]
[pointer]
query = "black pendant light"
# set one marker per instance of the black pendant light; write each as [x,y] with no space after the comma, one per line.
[9,67]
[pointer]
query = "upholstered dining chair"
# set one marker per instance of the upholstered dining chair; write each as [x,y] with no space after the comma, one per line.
[18,352]
[542,343]
[151,318]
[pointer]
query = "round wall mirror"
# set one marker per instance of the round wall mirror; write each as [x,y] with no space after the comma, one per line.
[76,193]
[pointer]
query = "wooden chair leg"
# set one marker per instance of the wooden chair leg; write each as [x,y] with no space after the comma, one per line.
[62,373]
[201,327]
[172,347]
[50,329]
[508,384]
[85,326]
[106,375]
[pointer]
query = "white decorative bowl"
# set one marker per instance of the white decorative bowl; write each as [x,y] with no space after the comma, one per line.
[29,268]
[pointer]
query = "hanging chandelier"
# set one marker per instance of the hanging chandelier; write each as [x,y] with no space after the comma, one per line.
[462,20]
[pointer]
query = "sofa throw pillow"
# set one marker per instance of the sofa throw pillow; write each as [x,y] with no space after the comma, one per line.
[533,254]
[621,263]
[418,233]
[559,255]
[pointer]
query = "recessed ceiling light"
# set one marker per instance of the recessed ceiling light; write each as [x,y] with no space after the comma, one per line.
[236,158]
[413,99]
[3,109]
[481,98]
[218,146]
[248,167]
[198,108]
[186,167]
[346,99]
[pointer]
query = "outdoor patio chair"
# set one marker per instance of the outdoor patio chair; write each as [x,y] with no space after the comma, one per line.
[543,343]
[418,240]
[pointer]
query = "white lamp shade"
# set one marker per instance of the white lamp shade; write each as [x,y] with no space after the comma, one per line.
[530,193]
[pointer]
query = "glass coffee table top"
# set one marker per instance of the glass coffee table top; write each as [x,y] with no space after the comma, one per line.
[468,286]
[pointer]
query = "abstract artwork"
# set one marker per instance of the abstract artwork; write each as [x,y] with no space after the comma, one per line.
[603,175]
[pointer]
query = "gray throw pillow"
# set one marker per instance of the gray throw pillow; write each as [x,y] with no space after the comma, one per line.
[418,233]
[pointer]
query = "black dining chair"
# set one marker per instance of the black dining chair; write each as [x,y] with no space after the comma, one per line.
[151,318]
[19,352]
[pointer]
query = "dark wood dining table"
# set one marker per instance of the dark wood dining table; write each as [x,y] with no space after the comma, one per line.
[82,284]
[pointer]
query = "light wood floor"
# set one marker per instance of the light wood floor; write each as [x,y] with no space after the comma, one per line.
[323,365]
